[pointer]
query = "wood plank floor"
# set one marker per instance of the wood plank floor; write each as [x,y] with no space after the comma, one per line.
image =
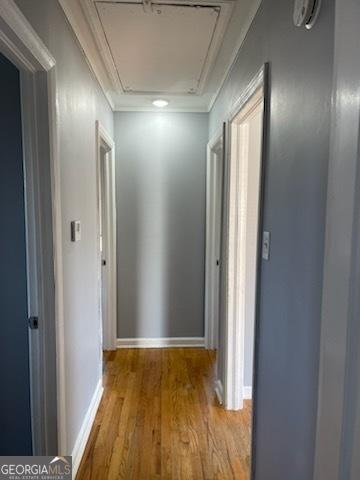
[159,419]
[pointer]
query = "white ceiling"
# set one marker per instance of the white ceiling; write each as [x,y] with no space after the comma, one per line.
[163,50]
[172,49]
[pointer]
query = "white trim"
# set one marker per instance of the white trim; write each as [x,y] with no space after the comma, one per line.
[84,21]
[92,15]
[14,54]
[71,11]
[21,44]
[227,9]
[219,390]
[169,109]
[247,393]
[180,342]
[212,276]
[256,83]
[84,433]
[108,334]
[250,18]
[25,35]
[215,138]
[58,261]
[235,241]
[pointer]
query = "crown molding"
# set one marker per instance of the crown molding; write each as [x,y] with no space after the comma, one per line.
[241,38]
[91,14]
[119,108]
[81,28]
[80,14]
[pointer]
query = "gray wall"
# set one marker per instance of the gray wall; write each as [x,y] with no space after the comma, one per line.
[295,199]
[338,439]
[160,175]
[80,103]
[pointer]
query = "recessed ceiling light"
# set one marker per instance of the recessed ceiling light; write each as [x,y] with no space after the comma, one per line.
[160,103]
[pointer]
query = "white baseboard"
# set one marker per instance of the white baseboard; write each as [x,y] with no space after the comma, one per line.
[160,342]
[85,429]
[247,393]
[219,390]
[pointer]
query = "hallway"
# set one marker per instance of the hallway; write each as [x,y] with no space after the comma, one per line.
[180,185]
[159,419]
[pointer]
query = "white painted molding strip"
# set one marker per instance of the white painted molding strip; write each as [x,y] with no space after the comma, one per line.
[247,393]
[219,390]
[16,20]
[83,436]
[160,342]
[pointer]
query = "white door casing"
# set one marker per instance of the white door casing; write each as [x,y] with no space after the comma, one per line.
[107,231]
[214,171]
[242,231]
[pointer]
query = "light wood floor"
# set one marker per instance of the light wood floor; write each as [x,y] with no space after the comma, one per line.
[159,419]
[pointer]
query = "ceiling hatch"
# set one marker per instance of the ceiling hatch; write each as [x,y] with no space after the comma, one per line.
[158,47]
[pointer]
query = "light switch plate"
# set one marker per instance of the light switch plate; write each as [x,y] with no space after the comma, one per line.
[75,231]
[266,246]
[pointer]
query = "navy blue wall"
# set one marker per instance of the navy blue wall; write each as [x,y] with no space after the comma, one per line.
[15,418]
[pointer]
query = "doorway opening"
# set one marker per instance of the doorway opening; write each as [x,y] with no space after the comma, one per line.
[16,415]
[235,178]
[245,166]
[32,412]
[214,190]
[246,127]
[107,236]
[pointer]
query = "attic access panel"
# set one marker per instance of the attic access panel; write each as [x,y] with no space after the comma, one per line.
[161,50]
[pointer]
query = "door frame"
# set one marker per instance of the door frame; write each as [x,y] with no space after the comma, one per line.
[234,327]
[104,140]
[211,269]
[23,47]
